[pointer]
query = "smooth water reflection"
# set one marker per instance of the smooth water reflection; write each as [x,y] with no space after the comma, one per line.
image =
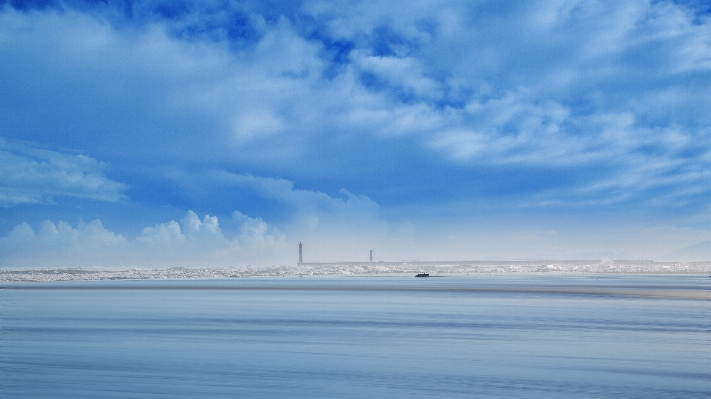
[501,336]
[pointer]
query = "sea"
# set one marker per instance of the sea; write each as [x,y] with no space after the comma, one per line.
[500,336]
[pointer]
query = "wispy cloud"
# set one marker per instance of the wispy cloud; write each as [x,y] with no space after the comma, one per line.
[31,174]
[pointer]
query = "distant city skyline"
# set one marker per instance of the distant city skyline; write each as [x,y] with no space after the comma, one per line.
[193,133]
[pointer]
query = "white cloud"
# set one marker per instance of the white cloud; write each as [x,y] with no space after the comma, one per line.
[257,124]
[193,242]
[60,244]
[522,66]
[530,67]
[403,73]
[256,233]
[30,174]
[310,210]
[163,233]
[333,226]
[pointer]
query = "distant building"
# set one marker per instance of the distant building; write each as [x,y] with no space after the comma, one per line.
[301,258]
[371,256]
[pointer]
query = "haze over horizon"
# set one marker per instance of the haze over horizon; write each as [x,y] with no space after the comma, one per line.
[224,132]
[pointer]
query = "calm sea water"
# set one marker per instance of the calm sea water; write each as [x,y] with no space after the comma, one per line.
[378,337]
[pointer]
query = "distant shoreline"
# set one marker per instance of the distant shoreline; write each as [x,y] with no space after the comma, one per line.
[441,268]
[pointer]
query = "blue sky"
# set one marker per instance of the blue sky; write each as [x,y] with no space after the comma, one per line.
[224,132]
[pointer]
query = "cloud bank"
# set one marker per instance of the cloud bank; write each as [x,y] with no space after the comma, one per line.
[191,242]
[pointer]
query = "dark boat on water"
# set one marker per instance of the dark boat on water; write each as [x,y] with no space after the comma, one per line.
[422,275]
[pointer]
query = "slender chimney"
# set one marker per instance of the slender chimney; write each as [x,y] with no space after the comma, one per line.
[371,256]
[301,258]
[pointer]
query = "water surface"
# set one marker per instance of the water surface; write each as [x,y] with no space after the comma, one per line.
[386,337]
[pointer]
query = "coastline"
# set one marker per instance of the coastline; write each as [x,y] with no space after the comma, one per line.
[444,268]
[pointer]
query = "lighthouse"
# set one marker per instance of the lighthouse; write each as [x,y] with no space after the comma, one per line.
[301,259]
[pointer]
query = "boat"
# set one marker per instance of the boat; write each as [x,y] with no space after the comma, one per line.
[422,275]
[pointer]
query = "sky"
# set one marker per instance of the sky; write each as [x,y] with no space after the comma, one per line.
[221,133]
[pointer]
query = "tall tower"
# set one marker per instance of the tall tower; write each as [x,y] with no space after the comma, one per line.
[301,258]
[371,256]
